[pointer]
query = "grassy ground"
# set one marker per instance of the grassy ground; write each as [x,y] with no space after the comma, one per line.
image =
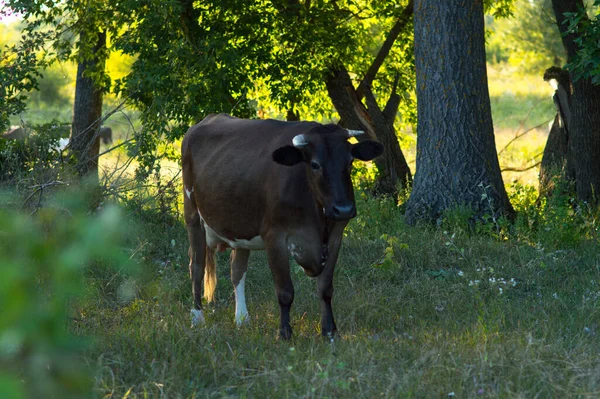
[450,312]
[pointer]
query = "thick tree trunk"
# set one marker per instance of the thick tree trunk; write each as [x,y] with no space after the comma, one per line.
[584,132]
[457,163]
[392,167]
[87,111]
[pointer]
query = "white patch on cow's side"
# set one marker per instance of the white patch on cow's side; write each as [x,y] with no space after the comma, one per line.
[241,312]
[554,84]
[197,317]
[213,238]
[189,193]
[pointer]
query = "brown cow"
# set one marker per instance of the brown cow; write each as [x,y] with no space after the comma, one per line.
[264,184]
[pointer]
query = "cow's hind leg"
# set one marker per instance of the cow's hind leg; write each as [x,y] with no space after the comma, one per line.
[280,268]
[239,267]
[197,253]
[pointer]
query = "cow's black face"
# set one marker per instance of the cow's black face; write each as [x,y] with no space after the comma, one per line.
[328,156]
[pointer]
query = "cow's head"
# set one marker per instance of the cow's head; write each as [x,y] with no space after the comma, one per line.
[328,157]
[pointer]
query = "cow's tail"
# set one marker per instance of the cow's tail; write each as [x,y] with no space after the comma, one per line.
[210,270]
[210,274]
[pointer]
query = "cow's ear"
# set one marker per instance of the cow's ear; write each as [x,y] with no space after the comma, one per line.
[366,150]
[287,155]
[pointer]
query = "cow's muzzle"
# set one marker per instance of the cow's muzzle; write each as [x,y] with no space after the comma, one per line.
[341,211]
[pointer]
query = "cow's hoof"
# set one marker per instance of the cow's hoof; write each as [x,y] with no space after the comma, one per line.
[242,320]
[197,317]
[329,336]
[285,333]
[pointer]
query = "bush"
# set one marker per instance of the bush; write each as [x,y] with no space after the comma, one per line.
[42,265]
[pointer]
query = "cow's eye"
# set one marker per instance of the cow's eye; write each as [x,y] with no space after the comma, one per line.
[315,166]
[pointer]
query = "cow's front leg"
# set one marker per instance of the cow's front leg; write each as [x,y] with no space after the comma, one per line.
[325,281]
[280,268]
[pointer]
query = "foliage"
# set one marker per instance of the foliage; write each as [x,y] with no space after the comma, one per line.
[191,59]
[586,30]
[19,73]
[42,264]
[530,40]
[499,8]
[240,57]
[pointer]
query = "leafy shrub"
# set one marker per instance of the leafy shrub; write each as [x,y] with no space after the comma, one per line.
[42,265]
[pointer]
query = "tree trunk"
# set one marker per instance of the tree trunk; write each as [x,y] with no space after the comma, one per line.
[292,115]
[392,167]
[584,134]
[87,110]
[457,164]
[556,163]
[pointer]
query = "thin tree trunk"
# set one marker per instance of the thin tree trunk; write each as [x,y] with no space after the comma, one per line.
[457,163]
[556,163]
[392,167]
[292,115]
[87,110]
[584,134]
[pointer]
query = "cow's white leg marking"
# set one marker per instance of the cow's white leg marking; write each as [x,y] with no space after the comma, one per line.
[189,192]
[241,312]
[197,317]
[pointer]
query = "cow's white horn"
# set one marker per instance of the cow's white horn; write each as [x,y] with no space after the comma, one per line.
[299,141]
[354,133]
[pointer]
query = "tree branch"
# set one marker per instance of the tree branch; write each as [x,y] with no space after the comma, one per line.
[393,34]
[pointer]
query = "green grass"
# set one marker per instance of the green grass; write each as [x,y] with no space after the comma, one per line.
[430,322]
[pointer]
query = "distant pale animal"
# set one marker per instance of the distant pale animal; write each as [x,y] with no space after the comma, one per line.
[283,187]
[16,133]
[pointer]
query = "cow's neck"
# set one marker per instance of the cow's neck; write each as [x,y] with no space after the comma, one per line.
[326,226]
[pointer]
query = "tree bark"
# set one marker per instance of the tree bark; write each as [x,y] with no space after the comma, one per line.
[457,164]
[584,132]
[87,109]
